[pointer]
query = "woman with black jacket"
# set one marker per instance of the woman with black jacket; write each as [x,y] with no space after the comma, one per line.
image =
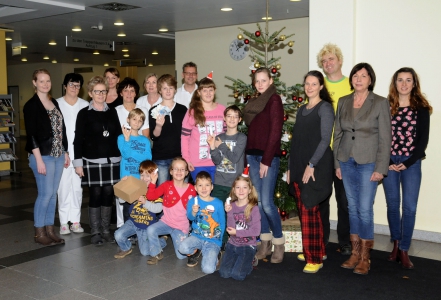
[47,146]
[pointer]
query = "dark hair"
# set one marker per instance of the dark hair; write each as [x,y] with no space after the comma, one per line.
[370,72]
[73,77]
[417,99]
[324,94]
[234,108]
[189,64]
[169,80]
[203,175]
[147,165]
[113,71]
[261,70]
[128,82]
[196,109]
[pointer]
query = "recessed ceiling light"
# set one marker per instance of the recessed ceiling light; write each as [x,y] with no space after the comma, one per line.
[23,47]
[155,52]
[76,59]
[295,0]
[121,34]
[150,65]
[46,57]
[24,59]
[125,50]
[52,43]
[163,29]
[76,29]
[269,18]
[8,38]
[106,64]
[126,55]
[54,61]
[226,9]
[96,52]
[118,23]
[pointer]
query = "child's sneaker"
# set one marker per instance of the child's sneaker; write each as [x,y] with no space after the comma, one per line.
[76,227]
[64,229]
[155,259]
[122,254]
[193,259]
[255,261]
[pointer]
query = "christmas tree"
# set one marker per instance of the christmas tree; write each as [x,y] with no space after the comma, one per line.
[262,44]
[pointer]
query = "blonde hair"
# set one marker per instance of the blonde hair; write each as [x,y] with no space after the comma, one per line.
[137,112]
[95,81]
[329,49]
[35,76]
[252,196]
[147,78]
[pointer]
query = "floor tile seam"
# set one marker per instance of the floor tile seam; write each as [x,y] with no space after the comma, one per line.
[86,293]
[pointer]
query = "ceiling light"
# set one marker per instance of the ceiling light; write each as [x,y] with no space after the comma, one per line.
[54,61]
[106,64]
[8,38]
[150,65]
[155,52]
[226,9]
[96,52]
[76,29]
[269,18]
[118,23]
[76,59]
[163,29]
[121,34]
[52,43]
[295,0]
[24,59]
[46,57]
[126,55]
[23,47]
[125,50]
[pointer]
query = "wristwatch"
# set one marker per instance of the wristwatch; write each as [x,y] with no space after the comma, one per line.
[311,165]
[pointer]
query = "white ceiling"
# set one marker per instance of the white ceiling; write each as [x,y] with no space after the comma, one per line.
[36,22]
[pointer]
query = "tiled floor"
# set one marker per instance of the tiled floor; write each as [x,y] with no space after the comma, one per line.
[79,270]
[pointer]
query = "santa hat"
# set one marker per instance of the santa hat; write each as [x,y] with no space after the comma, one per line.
[246,171]
[210,76]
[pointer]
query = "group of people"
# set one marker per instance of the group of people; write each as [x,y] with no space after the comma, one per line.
[345,134]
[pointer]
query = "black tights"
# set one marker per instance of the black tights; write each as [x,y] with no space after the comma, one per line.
[101,196]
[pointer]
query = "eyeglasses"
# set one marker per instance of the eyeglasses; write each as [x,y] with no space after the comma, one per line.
[77,86]
[191,73]
[97,92]
[179,170]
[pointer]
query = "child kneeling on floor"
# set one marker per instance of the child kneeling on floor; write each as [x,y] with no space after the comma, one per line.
[142,214]
[208,225]
[243,226]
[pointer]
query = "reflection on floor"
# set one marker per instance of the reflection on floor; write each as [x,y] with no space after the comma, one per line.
[78,270]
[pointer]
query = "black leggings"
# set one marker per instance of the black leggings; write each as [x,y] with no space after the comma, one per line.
[101,196]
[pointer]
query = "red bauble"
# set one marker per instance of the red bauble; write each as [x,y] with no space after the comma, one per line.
[300,99]
[285,117]
[294,98]
[284,152]
[253,71]
[274,70]
[257,33]
[246,41]
[248,97]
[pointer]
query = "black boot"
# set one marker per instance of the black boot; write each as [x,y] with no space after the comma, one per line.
[95,222]
[106,215]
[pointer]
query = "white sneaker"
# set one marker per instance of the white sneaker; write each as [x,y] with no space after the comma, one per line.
[76,227]
[64,229]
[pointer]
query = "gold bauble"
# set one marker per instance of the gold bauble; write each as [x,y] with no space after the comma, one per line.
[257,65]
[290,136]
[239,36]
[236,95]
[278,66]
[278,195]
[290,43]
[282,37]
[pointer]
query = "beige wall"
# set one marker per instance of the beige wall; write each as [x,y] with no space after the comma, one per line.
[208,48]
[389,35]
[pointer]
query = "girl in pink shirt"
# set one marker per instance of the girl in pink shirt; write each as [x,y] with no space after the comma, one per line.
[175,194]
[204,117]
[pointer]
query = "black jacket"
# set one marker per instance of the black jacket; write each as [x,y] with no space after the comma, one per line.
[38,126]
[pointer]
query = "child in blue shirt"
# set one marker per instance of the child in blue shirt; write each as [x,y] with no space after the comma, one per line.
[208,225]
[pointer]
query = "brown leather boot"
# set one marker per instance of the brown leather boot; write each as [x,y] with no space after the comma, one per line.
[279,250]
[364,264]
[403,256]
[52,235]
[393,254]
[42,238]
[265,247]
[353,260]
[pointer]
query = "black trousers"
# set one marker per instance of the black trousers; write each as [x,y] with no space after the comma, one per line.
[343,231]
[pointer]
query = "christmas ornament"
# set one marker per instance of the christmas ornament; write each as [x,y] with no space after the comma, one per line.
[300,99]
[276,41]
[248,97]
[278,195]
[282,37]
[246,41]
[236,95]
[294,98]
[253,71]
[274,70]
[284,153]
[283,99]
[290,43]
[285,117]
[285,136]
[283,215]
[242,99]
[239,36]
[257,33]
[257,65]
[285,177]
[290,136]
[278,66]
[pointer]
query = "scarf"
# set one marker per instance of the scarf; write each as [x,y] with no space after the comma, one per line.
[255,106]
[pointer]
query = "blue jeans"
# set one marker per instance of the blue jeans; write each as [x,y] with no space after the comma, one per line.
[127,230]
[209,252]
[401,227]
[47,186]
[211,170]
[160,228]
[360,191]
[237,262]
[163,170]
[270,218]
